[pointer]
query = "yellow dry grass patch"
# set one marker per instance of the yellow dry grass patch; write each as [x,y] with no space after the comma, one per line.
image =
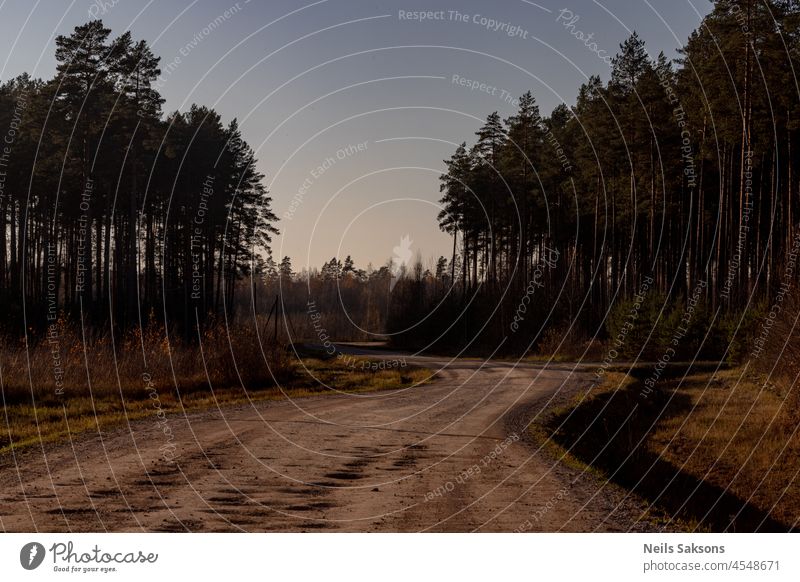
[739,436]
[55,420]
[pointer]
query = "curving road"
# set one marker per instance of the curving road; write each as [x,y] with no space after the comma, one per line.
[448,456]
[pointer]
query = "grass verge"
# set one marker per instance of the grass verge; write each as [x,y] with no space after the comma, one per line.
[92,387]
[714,454]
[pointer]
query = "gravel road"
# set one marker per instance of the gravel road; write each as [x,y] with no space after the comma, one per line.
[453,455]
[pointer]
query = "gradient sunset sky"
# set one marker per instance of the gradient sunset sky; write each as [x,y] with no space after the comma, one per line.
[310,81]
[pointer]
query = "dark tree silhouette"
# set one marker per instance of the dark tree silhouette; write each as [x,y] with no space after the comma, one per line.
[111,210]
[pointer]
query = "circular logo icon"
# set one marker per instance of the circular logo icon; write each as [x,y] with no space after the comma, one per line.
[31,555]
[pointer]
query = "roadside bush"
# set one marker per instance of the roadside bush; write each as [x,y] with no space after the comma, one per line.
[654,326]
[633,326]
[741,330]
[66,363]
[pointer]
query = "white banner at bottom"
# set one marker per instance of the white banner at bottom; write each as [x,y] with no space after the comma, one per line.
[399,557]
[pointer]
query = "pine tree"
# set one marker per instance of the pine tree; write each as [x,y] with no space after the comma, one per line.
[286,273]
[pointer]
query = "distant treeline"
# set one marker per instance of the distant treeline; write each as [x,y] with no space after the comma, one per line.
[674,184]
[113,210]
[339,301]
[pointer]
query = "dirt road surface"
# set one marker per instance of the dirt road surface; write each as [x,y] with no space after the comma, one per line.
[453,455]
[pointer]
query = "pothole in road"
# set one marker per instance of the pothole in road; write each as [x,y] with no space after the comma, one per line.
[344,475]
[357,464]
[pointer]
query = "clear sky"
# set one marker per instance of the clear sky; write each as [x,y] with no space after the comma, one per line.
[352,105]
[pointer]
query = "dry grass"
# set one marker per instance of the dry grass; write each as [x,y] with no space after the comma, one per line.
[92,386]
[715,454]
[739,436]
[67,363]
